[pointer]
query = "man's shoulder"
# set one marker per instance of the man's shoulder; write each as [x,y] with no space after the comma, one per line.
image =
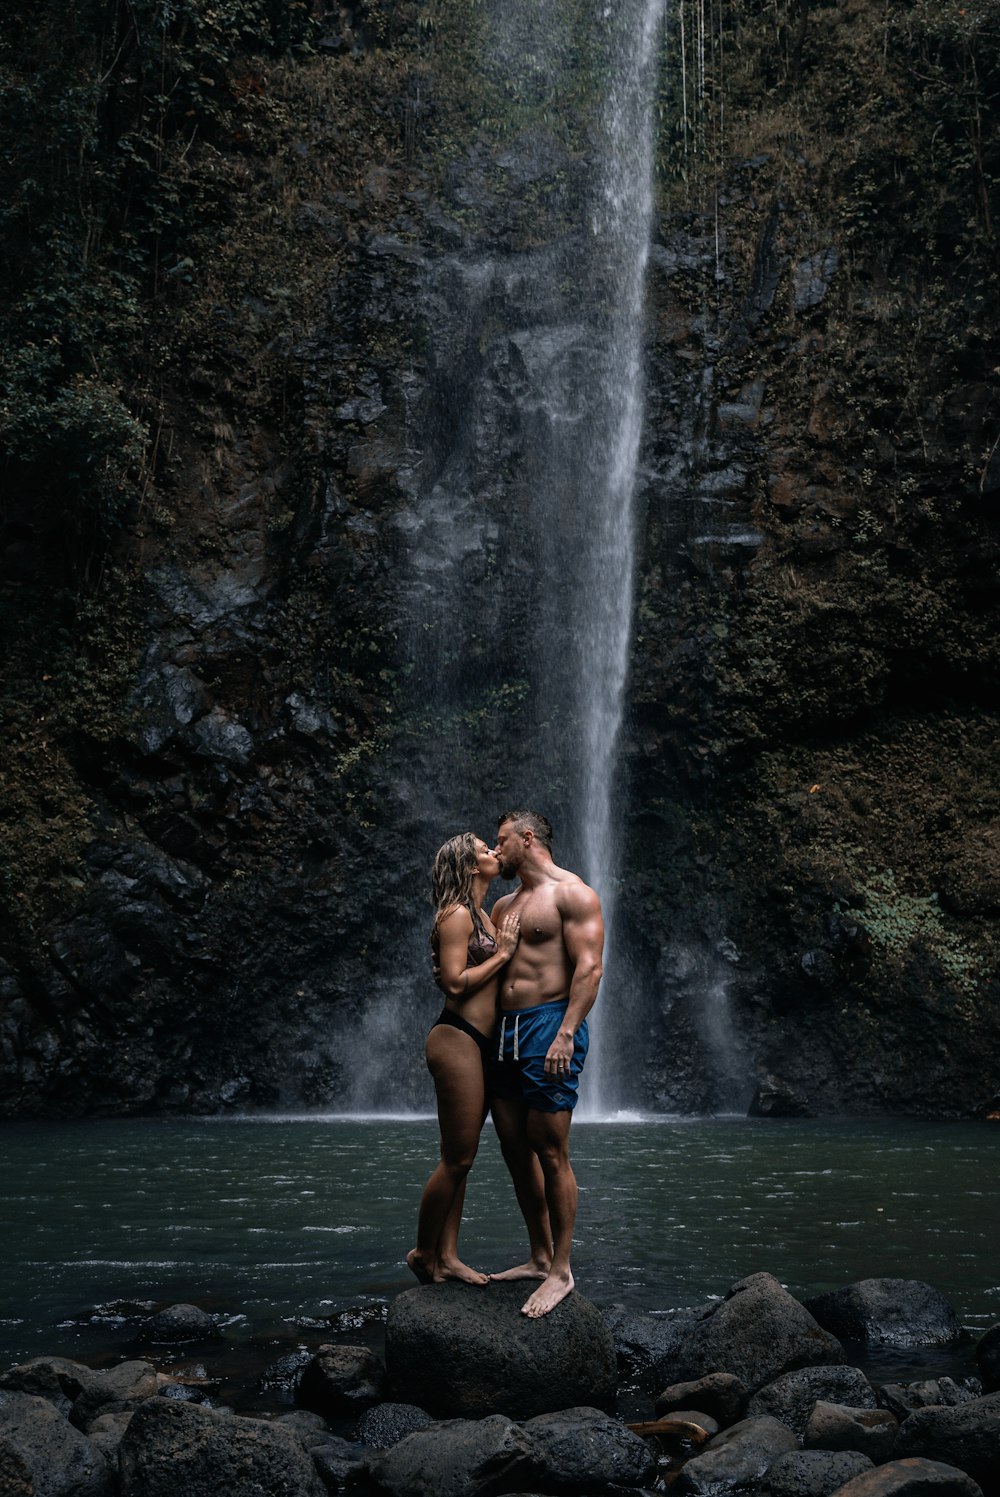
[574,897]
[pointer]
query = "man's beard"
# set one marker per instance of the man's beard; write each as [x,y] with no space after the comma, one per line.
[507,870]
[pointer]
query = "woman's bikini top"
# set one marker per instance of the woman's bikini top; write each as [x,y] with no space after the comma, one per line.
[481,946]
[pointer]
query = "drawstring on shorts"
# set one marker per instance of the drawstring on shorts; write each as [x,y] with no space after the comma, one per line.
[503,1031]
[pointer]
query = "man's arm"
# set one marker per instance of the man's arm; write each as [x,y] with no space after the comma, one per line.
[583,937]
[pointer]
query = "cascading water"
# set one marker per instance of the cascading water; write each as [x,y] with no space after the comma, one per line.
[516,591]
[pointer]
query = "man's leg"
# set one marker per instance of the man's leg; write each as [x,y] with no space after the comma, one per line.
[548,1135]
[510,1115]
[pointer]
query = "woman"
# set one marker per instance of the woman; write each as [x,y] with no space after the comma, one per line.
[469,955]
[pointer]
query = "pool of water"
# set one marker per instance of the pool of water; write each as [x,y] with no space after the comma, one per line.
[271,1219]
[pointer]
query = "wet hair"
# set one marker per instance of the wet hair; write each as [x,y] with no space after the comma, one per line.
[455,867]
[532,821]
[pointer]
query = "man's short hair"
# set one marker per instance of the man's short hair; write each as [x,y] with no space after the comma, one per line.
[531,821]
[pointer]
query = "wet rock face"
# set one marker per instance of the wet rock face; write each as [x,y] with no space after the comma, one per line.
[888,1312]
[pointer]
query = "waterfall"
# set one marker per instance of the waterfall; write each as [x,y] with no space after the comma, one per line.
[516,591]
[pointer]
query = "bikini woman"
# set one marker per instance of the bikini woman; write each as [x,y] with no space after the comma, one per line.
[469,955]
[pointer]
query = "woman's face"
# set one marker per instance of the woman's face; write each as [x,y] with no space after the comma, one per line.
[487,863]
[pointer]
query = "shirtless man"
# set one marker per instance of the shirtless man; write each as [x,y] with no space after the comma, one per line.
[546,992]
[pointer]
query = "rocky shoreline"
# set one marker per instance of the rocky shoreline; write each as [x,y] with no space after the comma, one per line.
[754,1393]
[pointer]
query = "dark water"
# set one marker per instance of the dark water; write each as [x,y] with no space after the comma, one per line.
[269,1220]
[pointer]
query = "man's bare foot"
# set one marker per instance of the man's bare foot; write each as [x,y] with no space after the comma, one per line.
[456,1271]
[531,1270]
[416,1265]
[548,1295]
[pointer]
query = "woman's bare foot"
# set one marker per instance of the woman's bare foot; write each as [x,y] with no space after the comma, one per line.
[416,1264]
[548,1295]
[535,1268]
[456,1271]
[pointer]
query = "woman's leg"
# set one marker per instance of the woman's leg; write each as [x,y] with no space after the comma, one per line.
[510,1115]
[455,1062]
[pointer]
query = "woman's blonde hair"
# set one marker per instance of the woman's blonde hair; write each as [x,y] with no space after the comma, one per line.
[455,867]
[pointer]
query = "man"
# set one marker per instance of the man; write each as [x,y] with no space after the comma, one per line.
[546,992]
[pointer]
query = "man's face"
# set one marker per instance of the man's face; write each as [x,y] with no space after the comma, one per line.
[510,849]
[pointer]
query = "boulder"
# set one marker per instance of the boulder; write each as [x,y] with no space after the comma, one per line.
[340,1381]
[903,1398]
[834,1426]
[106,1433]
[581,1448]
[42,1455]
[911,1478]
[183,1450]
[340,1463]
[457,1349]
[988,1359]
[774,1098]
[388,1423]
[55,1378]
[814,1473]
[888,1312]
[720,1394]
[646,1343]
[967,1437]
[756,1333]
[790,1398]
[280,1378]
[457,1458]
[115,1390]
[737,1457]
[178,1324]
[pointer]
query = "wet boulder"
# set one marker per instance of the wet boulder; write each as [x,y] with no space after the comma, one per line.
[457,1458]
[720,1395]
[116,1390]
[42,1455]
[55,1378]
[887,1312]
[911,1478]
[904,1398]
[814,1473]
[774,1098]
[456,1349]
[388,1423]
[646,1343]
[834,1426]
[178,1324]
[183,1450]
[988,1359]
[340,1381]
[791,1397]
[967,1437]
[577,1449]
[758,1332]
[738,1457]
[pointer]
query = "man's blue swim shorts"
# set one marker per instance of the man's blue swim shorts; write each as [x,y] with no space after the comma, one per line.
[524,1039]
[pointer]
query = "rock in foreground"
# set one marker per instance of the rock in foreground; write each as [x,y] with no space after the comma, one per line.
[463,1351]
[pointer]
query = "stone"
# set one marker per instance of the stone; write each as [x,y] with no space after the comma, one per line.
[183,1450]
[988,1359]
[340,1381]
[903,1398]
[457,1458]
[646,1343]
[911,1478]
[281,1377]
[106,1431]
[388,1423]
[580,1448]
[720,1394]
[888,1312]
[814,1473]
[737,1457]
[774,1098]
[178,1324]
[55,1378]
[756,1333]
[967,1437]
[114,1390]
[790,1398]
[42,1455]
[341,1463]
[456,1349]
[834,1426]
